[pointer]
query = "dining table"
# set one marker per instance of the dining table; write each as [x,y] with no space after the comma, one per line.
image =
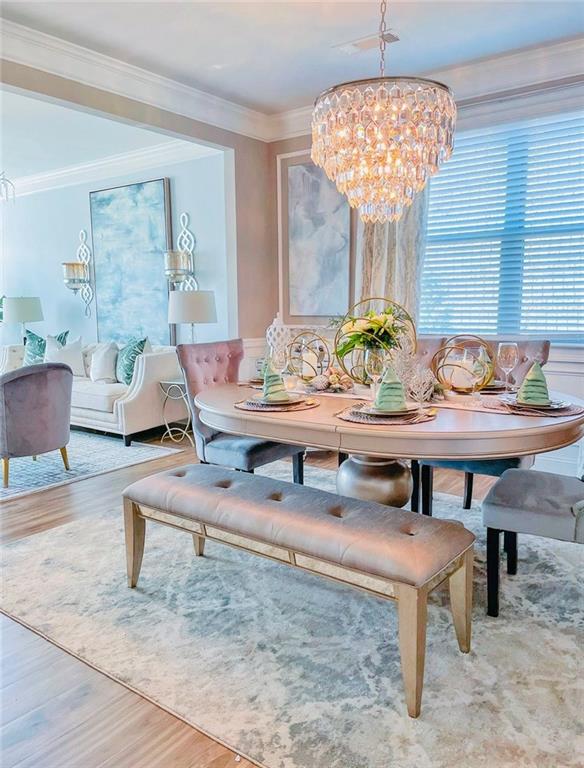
[377,468]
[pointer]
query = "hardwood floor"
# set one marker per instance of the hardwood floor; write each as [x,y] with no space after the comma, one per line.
[57,712]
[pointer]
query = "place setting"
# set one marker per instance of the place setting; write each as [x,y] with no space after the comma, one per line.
[388,405]
[274,396]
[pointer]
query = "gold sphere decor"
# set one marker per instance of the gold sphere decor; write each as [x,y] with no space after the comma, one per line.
[308,355]
[465,363]
[373,323]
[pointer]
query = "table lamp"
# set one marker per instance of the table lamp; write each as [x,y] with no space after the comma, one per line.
[22,309]
[191,307]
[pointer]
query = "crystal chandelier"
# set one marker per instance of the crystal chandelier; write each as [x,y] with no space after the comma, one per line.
[381,139]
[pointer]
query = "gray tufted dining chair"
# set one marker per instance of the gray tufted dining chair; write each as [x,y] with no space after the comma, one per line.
[35,412]
[213,364]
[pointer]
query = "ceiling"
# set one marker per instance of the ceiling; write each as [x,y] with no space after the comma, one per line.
[38,137]
[276,56]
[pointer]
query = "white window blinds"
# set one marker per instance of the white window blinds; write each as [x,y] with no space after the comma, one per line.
[505,241]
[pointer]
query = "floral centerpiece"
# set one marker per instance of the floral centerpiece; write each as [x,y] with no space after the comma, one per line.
[384,325]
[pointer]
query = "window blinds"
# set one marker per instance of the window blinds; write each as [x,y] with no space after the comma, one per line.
[505,240]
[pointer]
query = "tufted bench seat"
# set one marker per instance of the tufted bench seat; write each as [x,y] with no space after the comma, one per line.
[389,552]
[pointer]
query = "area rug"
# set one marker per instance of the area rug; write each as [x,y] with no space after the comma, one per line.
[296,672]
[89,455]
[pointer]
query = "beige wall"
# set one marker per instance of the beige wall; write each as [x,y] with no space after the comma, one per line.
[257,258]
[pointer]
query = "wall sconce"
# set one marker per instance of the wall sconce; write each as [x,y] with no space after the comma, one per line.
[76,274]
[177,266]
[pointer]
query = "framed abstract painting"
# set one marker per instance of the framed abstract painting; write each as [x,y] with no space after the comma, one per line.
[131,230]
[316,247]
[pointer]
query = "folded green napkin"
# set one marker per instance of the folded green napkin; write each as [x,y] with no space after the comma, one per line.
[533,390]
[390,396]
[274,390]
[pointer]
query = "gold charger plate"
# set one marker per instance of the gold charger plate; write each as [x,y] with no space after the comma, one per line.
[371,410]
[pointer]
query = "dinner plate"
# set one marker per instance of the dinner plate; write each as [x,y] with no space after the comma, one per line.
[292,400]
[371,410]
[554,405]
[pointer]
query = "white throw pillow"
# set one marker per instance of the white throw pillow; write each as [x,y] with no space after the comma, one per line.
[103,363]
[70,354]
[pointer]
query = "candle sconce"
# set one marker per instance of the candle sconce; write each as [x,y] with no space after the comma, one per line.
[77,274]
[179,265]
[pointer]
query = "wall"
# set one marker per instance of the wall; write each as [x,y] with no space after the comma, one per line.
[250,226]
[41,230]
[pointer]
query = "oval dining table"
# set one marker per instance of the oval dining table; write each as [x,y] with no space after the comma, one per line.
[377,451]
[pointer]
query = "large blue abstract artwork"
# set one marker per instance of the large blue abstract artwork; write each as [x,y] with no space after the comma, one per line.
[319,244]
[131,231]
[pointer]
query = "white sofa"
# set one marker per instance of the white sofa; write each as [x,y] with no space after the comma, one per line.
[118,408]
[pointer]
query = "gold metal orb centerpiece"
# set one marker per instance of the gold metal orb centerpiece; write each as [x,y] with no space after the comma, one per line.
[466,363]
[308,355]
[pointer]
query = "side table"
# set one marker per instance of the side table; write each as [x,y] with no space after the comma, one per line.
[176,390]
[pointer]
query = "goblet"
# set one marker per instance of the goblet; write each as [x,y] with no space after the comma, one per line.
[507,357]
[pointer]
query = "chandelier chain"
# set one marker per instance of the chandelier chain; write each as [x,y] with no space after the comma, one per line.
[382,31]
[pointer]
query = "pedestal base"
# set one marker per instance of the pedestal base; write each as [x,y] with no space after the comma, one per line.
[386,481]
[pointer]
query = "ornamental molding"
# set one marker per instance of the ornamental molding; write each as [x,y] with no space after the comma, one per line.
[540,68]
[112,166]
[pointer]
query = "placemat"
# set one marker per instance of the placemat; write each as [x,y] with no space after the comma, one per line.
[499,407]
[354,414]
[253,405]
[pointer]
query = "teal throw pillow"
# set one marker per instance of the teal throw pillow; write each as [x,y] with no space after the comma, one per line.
[34,349]
[127,360]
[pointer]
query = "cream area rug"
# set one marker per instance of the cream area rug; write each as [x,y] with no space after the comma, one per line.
[89,455]
[296,672]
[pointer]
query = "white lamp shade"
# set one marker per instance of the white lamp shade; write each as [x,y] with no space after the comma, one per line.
[22,309]
[191,307]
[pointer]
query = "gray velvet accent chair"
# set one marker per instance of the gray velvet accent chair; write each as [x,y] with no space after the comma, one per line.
[531,502]
[209,365]
[35,412]
[423,471]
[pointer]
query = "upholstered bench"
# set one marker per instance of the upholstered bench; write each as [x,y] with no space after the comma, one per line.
[389,552]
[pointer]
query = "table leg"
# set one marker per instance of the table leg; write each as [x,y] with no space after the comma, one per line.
[387,481]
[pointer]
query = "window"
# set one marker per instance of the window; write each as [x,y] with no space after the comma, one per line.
[505,240]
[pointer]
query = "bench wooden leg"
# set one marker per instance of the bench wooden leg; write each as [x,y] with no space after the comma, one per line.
[460,585]
[199,544]
[412,614]
[135,529]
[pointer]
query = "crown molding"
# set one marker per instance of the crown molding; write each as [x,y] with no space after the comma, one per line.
[112,166]
[482,79]
[31,48]
[538,69]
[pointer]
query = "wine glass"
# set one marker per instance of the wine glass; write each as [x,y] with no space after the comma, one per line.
[507,357]
[375,359]
[279,358]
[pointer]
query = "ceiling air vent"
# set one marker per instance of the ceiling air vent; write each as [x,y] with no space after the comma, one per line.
[365,43]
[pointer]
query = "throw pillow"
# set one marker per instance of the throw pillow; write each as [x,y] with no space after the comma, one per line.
[34,349]
[127,360]
[70,354]
[103,363]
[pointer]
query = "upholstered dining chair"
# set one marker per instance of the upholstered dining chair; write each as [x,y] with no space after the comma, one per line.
[531,502]
[209,365]
[528,351]
[35,412]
